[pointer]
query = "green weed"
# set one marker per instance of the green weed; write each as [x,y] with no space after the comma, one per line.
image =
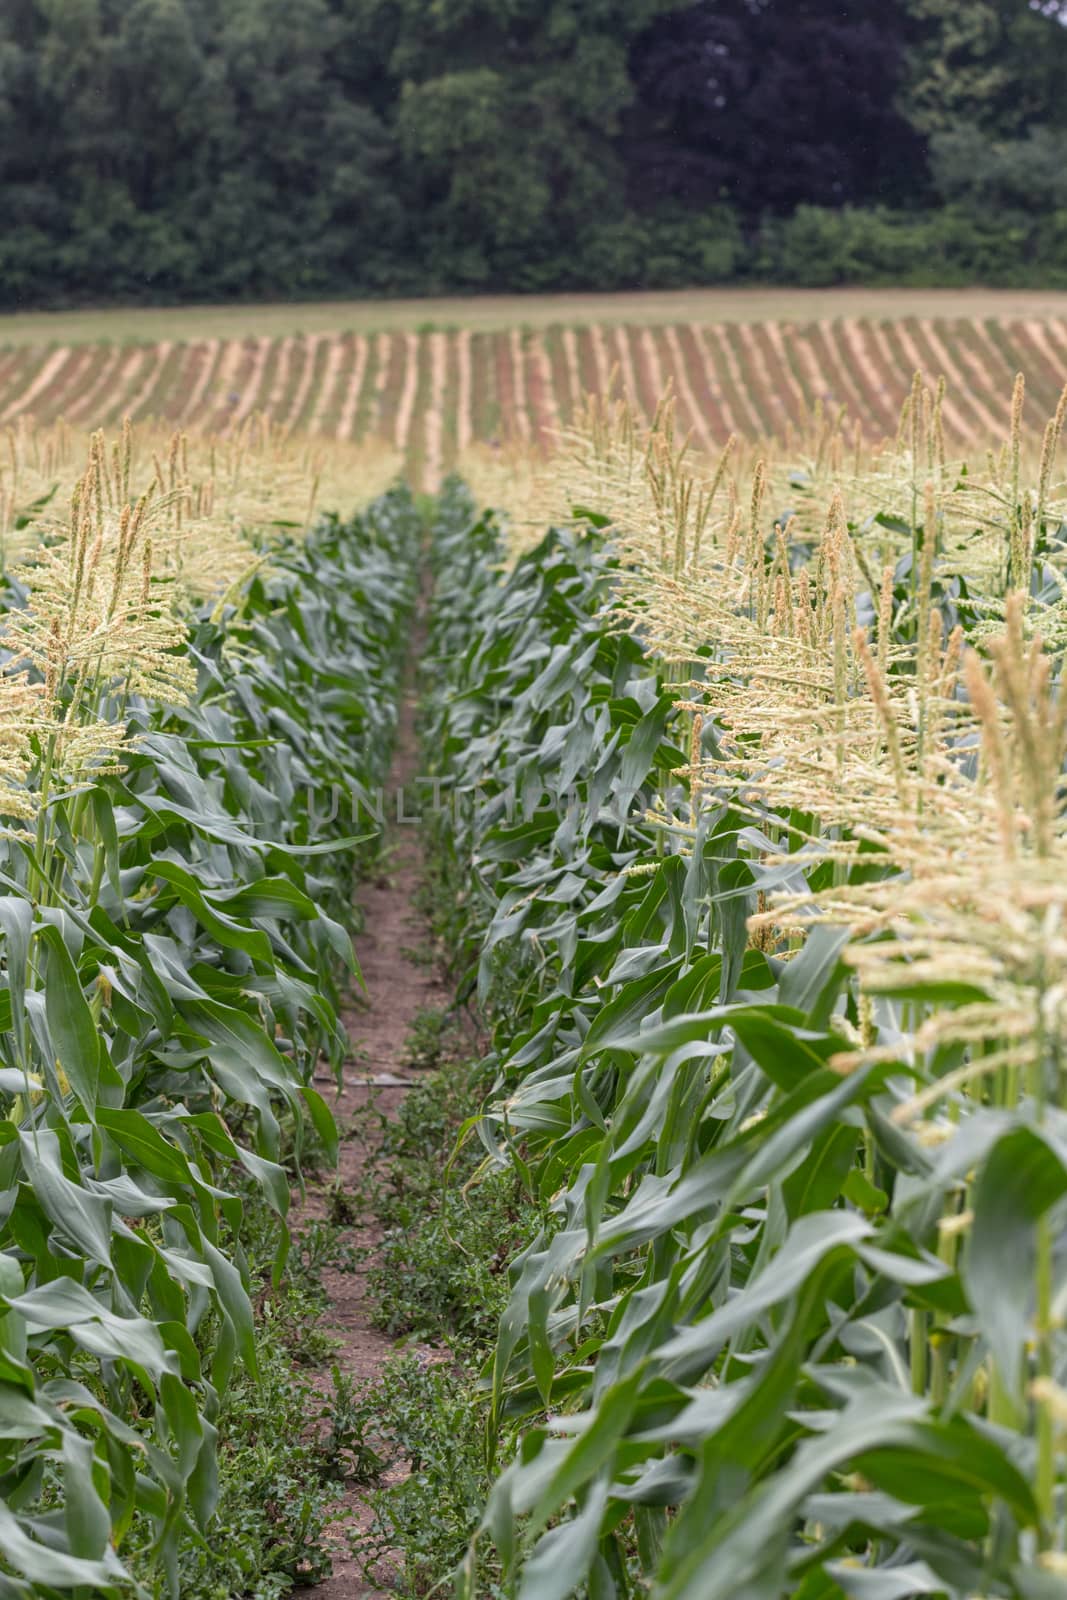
[277,1463]
[429,1418]
[439,1274]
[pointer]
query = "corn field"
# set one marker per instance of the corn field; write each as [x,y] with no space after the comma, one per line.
[750,862]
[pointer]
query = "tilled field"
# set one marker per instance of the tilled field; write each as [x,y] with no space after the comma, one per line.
[432,393]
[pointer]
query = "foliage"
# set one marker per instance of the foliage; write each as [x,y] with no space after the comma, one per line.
[277,1473]
[173,957]
[746,103]
[441,1263]
[416,1435]
[173,141]
[1001,175]
[780,1047]
[990,62]
[959,244]
[438,1271]
[428,1420]
[343,144]
[225,149]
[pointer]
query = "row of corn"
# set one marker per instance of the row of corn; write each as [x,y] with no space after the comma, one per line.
[760,795]
[187,698]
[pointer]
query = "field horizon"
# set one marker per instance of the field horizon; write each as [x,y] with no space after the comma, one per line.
[757,303]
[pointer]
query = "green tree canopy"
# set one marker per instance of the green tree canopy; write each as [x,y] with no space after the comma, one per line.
[993,64]
[221,148]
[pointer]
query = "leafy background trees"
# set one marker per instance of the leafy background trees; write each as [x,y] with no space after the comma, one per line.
[169,149]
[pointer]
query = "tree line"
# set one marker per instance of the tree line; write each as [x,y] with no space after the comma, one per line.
[214,149]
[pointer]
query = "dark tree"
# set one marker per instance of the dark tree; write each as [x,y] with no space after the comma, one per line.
[770,103]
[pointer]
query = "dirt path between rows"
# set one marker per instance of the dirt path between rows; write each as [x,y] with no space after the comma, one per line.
[398,986]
